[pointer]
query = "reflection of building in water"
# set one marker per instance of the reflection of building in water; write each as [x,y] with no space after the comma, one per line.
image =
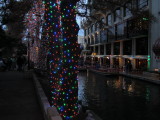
[118,83]
[152,95]
[148,93]
[122,83]
[128,85]
[131,88]
[109,93]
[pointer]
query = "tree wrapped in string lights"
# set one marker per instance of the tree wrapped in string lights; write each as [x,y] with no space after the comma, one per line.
[53,37]
[61,32]
[67,102]
[33,24]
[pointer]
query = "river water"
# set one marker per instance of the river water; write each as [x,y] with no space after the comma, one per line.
[118,97]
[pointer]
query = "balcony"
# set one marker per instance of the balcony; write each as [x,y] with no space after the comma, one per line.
[91,43]
[111,34]
[104,41]
[135,33]
[121,31]
[97,42]
[103,36]
[137,27]
[85,23]
[95,12]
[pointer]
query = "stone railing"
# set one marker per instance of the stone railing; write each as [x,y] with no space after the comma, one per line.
[49,113]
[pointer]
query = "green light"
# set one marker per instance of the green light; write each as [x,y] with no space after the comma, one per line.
[149,62]
[149,58]
[145,19]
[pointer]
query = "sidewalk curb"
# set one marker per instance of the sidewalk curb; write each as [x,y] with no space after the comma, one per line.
[154,81]
[146,79]
[49,113]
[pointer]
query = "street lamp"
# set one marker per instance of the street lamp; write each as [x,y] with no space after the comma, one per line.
[28,50]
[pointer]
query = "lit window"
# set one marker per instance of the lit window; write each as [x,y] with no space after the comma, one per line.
[142,3]
[92,28]
[96,26]
[127,9]
[117,14]
[109,19]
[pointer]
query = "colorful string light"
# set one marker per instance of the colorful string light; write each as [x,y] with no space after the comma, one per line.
[68,97]
[33,23]
[60,33]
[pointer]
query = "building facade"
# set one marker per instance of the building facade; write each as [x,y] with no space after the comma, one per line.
[120,37]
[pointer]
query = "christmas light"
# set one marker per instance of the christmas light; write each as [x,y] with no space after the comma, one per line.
[60,40]
[33,23]
[70,60]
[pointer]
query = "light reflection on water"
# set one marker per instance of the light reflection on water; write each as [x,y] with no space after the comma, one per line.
[119,98]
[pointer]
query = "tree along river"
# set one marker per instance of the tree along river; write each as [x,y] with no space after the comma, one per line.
[118,97]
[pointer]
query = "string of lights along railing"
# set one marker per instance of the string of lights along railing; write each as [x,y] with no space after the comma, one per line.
[62,30]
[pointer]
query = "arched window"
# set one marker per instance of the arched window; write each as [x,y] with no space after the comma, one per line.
[109,20]
[127,9]
[117,14]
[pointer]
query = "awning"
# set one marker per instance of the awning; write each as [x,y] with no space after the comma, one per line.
[116,56]
[135,57]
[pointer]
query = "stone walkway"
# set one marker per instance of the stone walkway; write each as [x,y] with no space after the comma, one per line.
[18,97]
[145,77]
[149,78]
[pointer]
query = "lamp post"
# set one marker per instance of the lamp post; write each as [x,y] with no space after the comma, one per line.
[28,51]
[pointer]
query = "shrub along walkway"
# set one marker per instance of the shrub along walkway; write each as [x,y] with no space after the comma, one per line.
[18,97]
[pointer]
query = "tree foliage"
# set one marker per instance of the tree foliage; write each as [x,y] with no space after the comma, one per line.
[14,13]
[88,9]
[8,44]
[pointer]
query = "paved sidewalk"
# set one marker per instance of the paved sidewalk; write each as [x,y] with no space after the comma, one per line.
[153,79]
[18,97]
[149,78]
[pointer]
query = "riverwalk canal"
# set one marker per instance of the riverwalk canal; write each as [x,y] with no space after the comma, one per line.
[119,97]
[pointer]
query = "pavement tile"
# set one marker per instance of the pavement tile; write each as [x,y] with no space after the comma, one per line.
[18,97]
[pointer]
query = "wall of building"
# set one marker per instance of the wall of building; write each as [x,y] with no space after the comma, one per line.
[155,32]
[80,39]
[137,57]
